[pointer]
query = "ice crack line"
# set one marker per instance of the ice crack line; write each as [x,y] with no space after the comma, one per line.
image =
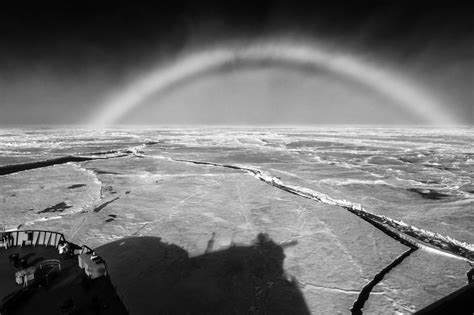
[102,155]
[406,234]
[331,289]
[10,169]
[367,289]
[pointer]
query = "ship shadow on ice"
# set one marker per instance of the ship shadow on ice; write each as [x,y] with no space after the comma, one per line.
[159,278]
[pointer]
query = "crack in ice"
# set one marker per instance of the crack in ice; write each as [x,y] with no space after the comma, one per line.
[406,234]
[332,289]
[367,289]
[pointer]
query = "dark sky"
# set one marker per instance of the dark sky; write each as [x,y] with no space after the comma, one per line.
[58,62]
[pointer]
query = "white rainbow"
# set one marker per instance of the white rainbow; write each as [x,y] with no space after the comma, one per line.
[404,92]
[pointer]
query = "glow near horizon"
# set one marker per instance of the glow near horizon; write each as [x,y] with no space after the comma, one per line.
[402,91]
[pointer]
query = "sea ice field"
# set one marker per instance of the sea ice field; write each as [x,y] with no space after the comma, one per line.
[318,189]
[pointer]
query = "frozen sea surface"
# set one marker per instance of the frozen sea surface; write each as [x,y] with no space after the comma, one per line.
[137,182]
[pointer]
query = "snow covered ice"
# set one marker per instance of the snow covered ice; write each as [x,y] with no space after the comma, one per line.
[292,183]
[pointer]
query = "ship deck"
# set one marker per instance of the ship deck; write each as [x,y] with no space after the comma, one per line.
[69,290]
[32,255]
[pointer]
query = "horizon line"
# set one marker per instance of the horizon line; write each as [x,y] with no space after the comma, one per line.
[234,125]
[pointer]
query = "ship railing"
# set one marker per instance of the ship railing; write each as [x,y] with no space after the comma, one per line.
[31,238]
[49,267]
[50,264]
